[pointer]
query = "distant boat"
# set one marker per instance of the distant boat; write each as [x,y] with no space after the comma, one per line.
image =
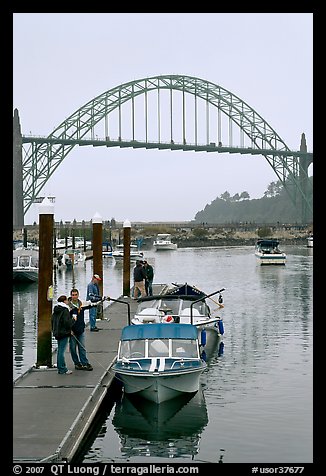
[25,265]
[107,249]
[159,362]
[135,254]
[310,241]
[71,258]
[267,252]
[163,242]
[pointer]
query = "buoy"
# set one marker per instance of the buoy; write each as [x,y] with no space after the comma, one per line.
[203,337]
[221,326]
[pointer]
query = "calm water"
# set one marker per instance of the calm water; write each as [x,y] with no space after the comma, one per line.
[255,405]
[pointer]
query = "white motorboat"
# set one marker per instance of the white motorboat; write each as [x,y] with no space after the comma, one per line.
[163,242]
[71,258]
[159,362]
[25,265]
[184,304]
[267,252]
[310,241]
[135,254]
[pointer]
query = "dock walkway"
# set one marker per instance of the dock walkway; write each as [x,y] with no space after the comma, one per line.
[52,413]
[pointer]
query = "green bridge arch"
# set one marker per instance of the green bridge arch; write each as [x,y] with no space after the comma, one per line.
[43,155]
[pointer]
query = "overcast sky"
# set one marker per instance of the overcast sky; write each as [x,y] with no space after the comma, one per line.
[63,60]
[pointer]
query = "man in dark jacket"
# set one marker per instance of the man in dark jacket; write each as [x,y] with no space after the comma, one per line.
[139,280]
[77,340]
[149,278]
[62,323]
[93,295]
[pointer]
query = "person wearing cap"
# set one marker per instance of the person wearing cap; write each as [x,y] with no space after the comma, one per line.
[93,295]
[62,322]
[149,278]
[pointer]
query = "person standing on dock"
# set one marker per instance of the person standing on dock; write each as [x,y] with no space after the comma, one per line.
[77,340]
[93,295]
[62,323]
[139,280]
[149,278]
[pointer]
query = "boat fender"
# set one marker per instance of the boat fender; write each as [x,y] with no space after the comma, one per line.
[204,356]
[203,337]
[168,319]
[221,349]
[221,326]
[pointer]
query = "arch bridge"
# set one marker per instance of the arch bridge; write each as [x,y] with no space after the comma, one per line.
[172,112]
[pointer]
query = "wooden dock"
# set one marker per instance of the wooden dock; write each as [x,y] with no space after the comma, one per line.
[52,413]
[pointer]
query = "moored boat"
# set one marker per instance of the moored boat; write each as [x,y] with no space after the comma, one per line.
[25,265]
[185,304]
[267,252]
[163,242]
[159,362]
[310,241]
[71,258]
[135,254]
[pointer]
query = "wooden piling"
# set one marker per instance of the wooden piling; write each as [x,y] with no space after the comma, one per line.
[45,285]
[97,254]
[126,258]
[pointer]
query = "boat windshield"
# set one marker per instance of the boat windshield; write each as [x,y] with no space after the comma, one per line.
[158,348]
[132,349]
[184,348]
[180,348]
[24,261]
[34,261]
[200,308]
[170,306]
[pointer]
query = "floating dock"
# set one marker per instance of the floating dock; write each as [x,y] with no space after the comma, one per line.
[52,413]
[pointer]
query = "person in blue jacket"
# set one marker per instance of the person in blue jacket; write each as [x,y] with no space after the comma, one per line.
[93,295]
[77,339]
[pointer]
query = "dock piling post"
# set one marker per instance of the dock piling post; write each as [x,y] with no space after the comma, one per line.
[44,328]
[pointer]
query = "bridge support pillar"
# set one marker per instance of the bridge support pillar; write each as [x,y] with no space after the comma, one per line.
[303,177]
[18,203]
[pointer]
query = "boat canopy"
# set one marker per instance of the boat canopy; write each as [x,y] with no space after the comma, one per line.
[271,243]
[185,290]
[159,331]
[170,297]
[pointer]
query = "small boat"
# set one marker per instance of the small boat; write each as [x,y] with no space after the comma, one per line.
[25,265]
[184,304]
[310,241]
[267,252]
[71,258]
[107,249]
[163,242]
[135,254]
[159,362]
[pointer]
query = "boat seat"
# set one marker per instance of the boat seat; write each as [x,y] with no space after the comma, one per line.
[148,319]
[149,311]
[186,312]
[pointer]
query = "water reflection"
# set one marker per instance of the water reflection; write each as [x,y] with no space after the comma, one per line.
[24,325]
[171,429]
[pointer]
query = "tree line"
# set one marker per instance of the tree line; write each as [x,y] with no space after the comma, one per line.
[274,207]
